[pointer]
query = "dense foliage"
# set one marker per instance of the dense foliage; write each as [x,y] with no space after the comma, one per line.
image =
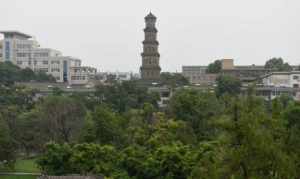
[10,73]
[227,84]
[120,132]
[277,64]
[173,79]
[214,67]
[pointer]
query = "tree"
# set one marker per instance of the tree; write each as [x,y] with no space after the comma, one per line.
[94,158]
[43,77]
[227,84]
[17,95]
[173,79]
[148,112]
[7,145]
[9,73]
[62,117]
[27,74]
[292,117]
[29,132]
[214,67]
[103,126]
[251,146]
[277,64]
[56,159]
[195,107]
[124,96]
[167,161]
[62,159]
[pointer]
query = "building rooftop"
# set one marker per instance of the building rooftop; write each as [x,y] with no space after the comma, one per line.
[15,33]
[281,73]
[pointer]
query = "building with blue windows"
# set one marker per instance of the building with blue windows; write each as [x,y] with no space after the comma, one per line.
[22,50]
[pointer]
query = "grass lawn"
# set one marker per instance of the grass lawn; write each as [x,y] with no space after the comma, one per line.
[23,166]
[18,177]
[26,166]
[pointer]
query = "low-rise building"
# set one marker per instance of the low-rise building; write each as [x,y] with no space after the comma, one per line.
[81,75]
[24,51]
[246,73]
[282,79]
[198,75]
[276,84]
[115,76]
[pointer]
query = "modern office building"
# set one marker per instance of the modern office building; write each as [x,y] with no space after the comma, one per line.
[150,69]
[24,51]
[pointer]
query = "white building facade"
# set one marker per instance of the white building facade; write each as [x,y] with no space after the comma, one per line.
[22,50]
[283,79]
[278,83]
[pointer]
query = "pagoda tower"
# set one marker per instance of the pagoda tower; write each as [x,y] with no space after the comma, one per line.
[150,69]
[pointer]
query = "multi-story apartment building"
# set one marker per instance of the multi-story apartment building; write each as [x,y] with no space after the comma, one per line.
[22,50]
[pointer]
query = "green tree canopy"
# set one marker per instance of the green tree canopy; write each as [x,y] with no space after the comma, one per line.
[8,146]
[124,96]
[195,107]
[61,117]
[173,79]
[10,73]
[214,67]
[227,84]
[277,64]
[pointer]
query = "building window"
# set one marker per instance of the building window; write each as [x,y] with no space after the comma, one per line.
[29,62]
[55,70]
[22,55]
[23,46]
[19,62]
[45,62]
[44,70]
[55,62]
[7,50]
[41,54]
[295,77]
[296,85]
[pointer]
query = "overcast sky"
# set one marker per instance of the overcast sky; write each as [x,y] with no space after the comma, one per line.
[107,34]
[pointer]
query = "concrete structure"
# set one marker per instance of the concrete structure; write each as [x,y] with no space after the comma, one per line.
[245,73]
[276,84]
[198,75]
[24,51]
[165,94]
[227,64]
[282,79]
[117,76]
[272,92]
[81,75]
[150,69]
